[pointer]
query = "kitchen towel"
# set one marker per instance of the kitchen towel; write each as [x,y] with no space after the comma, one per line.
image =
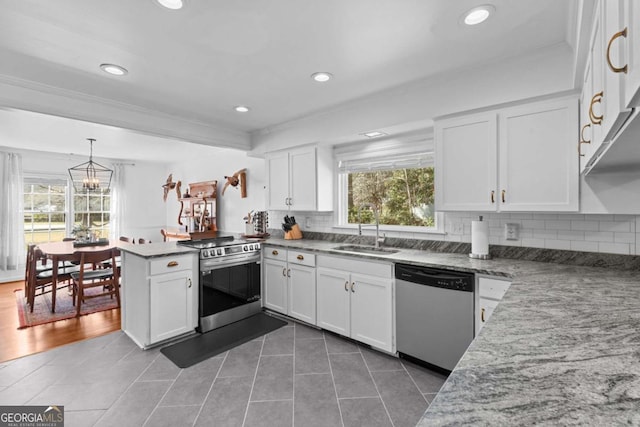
[479,237]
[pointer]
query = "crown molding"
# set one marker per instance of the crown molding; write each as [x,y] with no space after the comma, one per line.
[46,99]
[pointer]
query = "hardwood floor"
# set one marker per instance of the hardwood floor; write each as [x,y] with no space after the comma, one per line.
[16,342]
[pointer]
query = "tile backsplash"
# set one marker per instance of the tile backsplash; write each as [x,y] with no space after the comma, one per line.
[614,234]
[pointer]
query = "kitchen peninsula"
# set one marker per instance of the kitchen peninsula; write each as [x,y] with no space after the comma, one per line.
[159,292]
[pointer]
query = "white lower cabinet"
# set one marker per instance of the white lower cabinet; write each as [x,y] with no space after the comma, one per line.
[356,305]
[290,283]
[489,293]
[160,297]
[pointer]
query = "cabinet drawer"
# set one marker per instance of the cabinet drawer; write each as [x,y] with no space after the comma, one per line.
[168,264]
[492,288]
[274,253]
[301,258]
[353,264]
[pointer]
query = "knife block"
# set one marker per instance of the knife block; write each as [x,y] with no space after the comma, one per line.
[294,234]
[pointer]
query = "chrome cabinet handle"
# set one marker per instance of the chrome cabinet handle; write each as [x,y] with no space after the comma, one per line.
[288,272]
[284,272]
[352,285]
[346,286]
[622,69]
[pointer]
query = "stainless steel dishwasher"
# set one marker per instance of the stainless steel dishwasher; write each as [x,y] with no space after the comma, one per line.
[434,314]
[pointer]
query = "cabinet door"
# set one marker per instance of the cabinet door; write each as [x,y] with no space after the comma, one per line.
[333,289]
[615,111]
[584,137]
[302,293]
[372,311]
[171,305]
[302,179]
[277,181]
[275,285]
[485,309]
[632,42]
[465,167]
[538,162]
[599,97]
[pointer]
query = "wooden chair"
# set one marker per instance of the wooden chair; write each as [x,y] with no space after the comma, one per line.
[39,280]
[106,278]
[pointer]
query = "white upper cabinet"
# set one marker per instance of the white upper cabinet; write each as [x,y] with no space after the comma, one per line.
[613,90]
[300,179]
[538,166]
[631,51]
[466,173]
[520,158]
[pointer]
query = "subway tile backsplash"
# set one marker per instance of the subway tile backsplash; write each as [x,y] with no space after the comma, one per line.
[615,234]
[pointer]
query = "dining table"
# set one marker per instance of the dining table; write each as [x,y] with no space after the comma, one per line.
[70,251]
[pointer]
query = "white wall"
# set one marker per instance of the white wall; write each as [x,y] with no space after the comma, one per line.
[231,207]
[415,105]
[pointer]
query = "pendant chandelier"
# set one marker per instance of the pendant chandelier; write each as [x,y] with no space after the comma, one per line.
[90,176]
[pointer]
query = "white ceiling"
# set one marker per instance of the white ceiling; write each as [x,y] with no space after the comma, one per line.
[199,62]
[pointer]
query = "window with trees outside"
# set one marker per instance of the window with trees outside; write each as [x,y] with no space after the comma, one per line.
[45,210]
[52,211]
[400,189]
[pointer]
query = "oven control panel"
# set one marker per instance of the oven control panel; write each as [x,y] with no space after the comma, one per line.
[245,248]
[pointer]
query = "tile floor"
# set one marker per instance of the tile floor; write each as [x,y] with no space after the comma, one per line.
[295,376]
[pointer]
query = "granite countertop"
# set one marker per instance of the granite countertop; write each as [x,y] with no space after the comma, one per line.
[562,347]
[152,250]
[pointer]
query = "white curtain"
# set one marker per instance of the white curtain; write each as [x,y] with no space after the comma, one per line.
[117,210]
[12,250]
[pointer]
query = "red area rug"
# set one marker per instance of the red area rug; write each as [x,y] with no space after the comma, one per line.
[64,309]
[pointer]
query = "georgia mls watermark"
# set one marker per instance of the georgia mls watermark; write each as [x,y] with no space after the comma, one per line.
[31,416]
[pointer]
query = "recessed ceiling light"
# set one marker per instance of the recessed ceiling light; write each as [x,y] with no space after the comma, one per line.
[374,134]
[241,109]
[321,76]
[171,4]
[116,70]
[478,14]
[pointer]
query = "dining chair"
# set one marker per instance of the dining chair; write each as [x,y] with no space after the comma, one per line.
[106,278]
[43,280]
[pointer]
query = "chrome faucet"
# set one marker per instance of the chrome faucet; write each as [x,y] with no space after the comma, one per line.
[377,218]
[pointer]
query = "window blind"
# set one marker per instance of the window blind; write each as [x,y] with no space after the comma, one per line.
[404,161]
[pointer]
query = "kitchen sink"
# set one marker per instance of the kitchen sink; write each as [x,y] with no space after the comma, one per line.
[366,250]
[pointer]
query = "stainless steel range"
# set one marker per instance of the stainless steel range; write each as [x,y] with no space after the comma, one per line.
[229,280]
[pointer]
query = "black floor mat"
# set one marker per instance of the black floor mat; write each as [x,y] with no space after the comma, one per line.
[195,350]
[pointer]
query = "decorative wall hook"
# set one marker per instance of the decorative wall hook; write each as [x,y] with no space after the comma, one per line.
[239,177]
